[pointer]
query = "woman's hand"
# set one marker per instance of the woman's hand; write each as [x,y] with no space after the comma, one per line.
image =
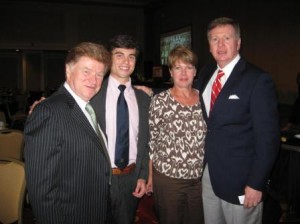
[149,185]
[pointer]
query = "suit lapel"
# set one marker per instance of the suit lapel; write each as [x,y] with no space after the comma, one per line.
[142,107]
[78,116]
[102,105]
[204,77]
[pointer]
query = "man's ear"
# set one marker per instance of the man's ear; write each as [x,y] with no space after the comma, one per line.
[68,70]
[239,44]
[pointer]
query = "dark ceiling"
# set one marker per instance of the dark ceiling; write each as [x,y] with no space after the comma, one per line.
[128,3]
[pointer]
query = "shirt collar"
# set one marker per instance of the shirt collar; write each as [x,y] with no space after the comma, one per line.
[115,83]
[82,103]
[228,68]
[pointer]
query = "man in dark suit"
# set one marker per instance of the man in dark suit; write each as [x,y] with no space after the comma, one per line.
[242,139]
[68,171]
[128,184]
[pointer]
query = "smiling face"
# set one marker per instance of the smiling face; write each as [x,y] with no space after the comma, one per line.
[224,44]
[183,74]
[123,63]
[85,77]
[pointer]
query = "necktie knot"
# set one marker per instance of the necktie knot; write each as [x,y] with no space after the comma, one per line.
[122,88]
[220,74]
[90,109]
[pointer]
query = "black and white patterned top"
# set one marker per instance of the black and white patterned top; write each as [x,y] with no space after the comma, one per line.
[177,134]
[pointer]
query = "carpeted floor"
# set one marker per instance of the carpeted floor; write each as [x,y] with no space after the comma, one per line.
[274,213]
[146,211]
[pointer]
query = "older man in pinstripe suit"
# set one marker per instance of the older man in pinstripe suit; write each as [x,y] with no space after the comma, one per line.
[68,170]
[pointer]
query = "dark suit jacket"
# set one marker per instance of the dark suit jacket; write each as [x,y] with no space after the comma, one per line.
[143,101]
[67,171]
[242,139]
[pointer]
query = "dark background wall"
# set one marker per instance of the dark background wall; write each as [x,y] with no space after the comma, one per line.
[270,34]
[44,31]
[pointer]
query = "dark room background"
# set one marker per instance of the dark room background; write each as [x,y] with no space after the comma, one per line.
[35,35]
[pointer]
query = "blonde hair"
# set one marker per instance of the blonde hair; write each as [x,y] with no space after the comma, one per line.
[182,53]
[91,50]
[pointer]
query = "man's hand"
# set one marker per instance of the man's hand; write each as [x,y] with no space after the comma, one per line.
[146,89]
[252,197]
[140,188]
[34,104]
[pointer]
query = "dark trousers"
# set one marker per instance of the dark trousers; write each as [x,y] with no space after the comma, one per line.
[177,201]
[123,203]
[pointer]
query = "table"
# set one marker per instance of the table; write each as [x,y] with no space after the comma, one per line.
[285,179]
[4,130]
[289,147]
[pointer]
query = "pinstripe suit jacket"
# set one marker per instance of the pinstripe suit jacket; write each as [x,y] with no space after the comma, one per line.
[67,171]
[143,101]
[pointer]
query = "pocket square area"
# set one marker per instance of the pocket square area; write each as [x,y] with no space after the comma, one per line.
[233,97]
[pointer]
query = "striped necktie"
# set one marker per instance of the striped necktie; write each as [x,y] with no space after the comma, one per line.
[216,88]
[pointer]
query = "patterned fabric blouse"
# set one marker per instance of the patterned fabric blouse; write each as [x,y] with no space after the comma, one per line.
[177,135]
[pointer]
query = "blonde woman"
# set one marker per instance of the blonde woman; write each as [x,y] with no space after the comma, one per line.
[177,132]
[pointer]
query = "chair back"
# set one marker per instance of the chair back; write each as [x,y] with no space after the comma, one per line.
[2,117]
[18,117]
[12,190]
[12,144]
